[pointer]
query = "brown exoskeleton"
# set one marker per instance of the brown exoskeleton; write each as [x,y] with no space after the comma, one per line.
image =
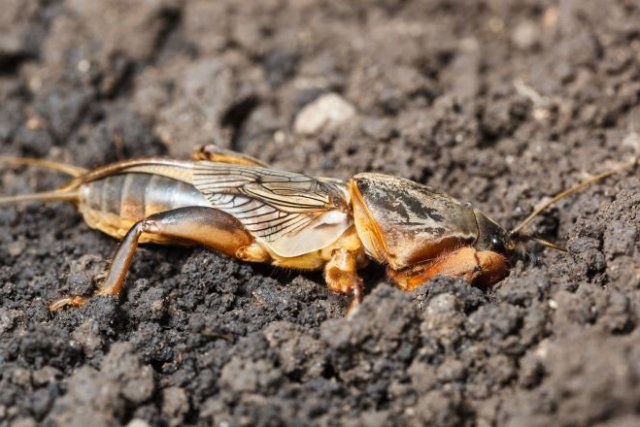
[239,206]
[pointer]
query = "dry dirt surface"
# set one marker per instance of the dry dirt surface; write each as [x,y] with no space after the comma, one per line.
[497,102]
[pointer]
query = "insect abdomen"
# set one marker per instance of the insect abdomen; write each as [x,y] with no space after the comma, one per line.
[114,203]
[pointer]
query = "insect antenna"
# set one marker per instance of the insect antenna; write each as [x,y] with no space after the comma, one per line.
[515,233]
[66,193]
[543,242]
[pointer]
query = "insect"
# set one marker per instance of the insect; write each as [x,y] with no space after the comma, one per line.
[237,205]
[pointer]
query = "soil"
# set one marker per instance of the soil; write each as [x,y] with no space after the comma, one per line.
[497,102]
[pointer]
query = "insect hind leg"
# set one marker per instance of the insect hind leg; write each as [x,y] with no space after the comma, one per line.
[206,226]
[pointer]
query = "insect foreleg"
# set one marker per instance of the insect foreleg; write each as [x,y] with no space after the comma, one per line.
[480,268]
[200,225]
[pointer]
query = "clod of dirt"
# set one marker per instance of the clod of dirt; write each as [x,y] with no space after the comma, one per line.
[15,41]
[175,405]
[132,29]
[96,396]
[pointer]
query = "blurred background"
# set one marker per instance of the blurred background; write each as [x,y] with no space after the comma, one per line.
[498,102]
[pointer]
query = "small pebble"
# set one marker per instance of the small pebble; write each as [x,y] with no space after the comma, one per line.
[328,110]
[526,35]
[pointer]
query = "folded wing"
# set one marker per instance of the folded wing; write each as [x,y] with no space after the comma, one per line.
[292,214]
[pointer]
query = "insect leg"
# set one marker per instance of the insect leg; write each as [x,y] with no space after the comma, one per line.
[221,155]
[206,226]
[480,268]
[341,275]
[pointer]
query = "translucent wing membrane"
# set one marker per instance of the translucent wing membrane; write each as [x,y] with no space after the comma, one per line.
[293,213]
[258,217]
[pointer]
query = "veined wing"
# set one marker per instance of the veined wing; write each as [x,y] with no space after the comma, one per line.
[292,214]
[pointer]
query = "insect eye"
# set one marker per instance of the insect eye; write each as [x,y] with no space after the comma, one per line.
[497,245]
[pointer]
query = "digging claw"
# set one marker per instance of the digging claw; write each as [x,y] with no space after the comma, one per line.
[357,292]
[352,308]
[71,301]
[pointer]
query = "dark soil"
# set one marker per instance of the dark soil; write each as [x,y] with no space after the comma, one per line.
[498,102]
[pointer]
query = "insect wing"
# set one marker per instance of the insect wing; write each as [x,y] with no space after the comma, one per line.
[292,214]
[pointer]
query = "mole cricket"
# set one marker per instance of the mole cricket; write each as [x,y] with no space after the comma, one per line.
[239,206]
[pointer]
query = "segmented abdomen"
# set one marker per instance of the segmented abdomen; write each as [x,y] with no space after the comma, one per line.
[114,203]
